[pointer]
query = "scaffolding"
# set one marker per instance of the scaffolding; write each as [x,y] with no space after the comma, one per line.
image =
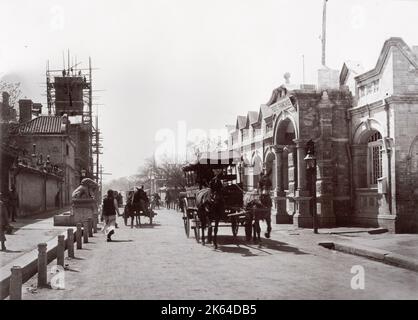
[69,92]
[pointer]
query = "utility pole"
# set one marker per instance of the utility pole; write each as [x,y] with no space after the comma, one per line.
[324,30]
[303,69]
[101,174]
[90,113]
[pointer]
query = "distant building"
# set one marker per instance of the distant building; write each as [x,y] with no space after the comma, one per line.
[365,129]
[48,137]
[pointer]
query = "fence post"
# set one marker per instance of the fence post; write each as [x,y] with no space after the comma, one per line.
[42,265]
[78,236]
[90,225]
[60,250]
[70,242]
[15,290]
[85,231]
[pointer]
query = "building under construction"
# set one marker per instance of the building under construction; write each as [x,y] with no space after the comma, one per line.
[70,94]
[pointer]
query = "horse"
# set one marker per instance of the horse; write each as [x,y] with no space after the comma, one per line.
[210,207]
[258,208]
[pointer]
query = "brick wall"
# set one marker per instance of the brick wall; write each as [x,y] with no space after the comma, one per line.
[36,191]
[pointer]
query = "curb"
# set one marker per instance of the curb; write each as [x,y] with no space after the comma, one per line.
[29,264]
[384,256]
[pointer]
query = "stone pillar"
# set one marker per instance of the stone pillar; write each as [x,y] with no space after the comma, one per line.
[302,189]
[281,216]
[78,236]
[70,242]
[60,250]
[15,290]
[302,217]
[85,231]
[291,177]
[42,265]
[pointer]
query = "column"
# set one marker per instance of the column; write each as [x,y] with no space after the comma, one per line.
[302,189]
[302,217]
[278,153]
[282,216]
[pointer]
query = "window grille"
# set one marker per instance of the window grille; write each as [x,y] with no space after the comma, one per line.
[375,158]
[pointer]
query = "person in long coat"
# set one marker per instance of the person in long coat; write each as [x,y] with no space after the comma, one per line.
[110,209]
[4,222]
[13,203]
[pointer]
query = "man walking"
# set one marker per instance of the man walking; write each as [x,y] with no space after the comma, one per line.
[13,203]
[4,222]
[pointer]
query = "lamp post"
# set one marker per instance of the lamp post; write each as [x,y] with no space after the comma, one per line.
[240,170]
[310,161]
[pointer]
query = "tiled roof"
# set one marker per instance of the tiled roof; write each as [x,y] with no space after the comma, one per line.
[252,117]
[265,111]
[42,125]
[241,122]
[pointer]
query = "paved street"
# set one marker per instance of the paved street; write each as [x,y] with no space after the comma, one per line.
[27,233]
[159,262]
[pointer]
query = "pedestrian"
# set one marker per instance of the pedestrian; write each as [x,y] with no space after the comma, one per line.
[13,203]
[168,199]
[109,211]
[156,200]
[4,222]
[116,196]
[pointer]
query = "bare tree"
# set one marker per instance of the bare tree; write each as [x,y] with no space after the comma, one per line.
[13,89]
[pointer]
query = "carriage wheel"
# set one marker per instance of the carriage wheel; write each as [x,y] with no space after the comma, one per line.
[234,227]
[186,221]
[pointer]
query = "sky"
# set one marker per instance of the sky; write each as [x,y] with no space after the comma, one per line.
[171,68]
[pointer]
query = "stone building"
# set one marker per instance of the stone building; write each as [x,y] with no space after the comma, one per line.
[49,139]
[365,130]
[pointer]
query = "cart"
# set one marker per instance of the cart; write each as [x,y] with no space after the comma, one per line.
[198,176]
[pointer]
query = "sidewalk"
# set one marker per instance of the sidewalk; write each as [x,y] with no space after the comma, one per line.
[27,233]
[396,249]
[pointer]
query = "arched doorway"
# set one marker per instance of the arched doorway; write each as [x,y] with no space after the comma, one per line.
[270,165]
[285,134]
[286,169]
[368,170]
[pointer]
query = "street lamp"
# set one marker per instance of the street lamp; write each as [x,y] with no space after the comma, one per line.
[240,171]
[310,160]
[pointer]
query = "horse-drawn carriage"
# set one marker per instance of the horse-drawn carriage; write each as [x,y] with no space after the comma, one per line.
[214,193]
[135,211]
[198,177]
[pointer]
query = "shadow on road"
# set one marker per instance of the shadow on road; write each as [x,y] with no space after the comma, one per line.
[120,241]
[11,251]
[149,226]
[243,247]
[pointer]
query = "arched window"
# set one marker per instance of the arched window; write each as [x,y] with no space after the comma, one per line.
[374,152]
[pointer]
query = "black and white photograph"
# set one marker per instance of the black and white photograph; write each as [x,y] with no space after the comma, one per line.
[208,155]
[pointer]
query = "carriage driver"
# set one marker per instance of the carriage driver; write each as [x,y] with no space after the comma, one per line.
[140,200]
[264,184]
[216,183]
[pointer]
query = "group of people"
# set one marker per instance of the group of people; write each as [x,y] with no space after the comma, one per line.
[173,199]
[9,204]
[136,202]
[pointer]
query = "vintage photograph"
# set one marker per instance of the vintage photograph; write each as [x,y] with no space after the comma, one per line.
[194,150]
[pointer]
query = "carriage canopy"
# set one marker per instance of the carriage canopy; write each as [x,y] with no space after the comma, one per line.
[208,165]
